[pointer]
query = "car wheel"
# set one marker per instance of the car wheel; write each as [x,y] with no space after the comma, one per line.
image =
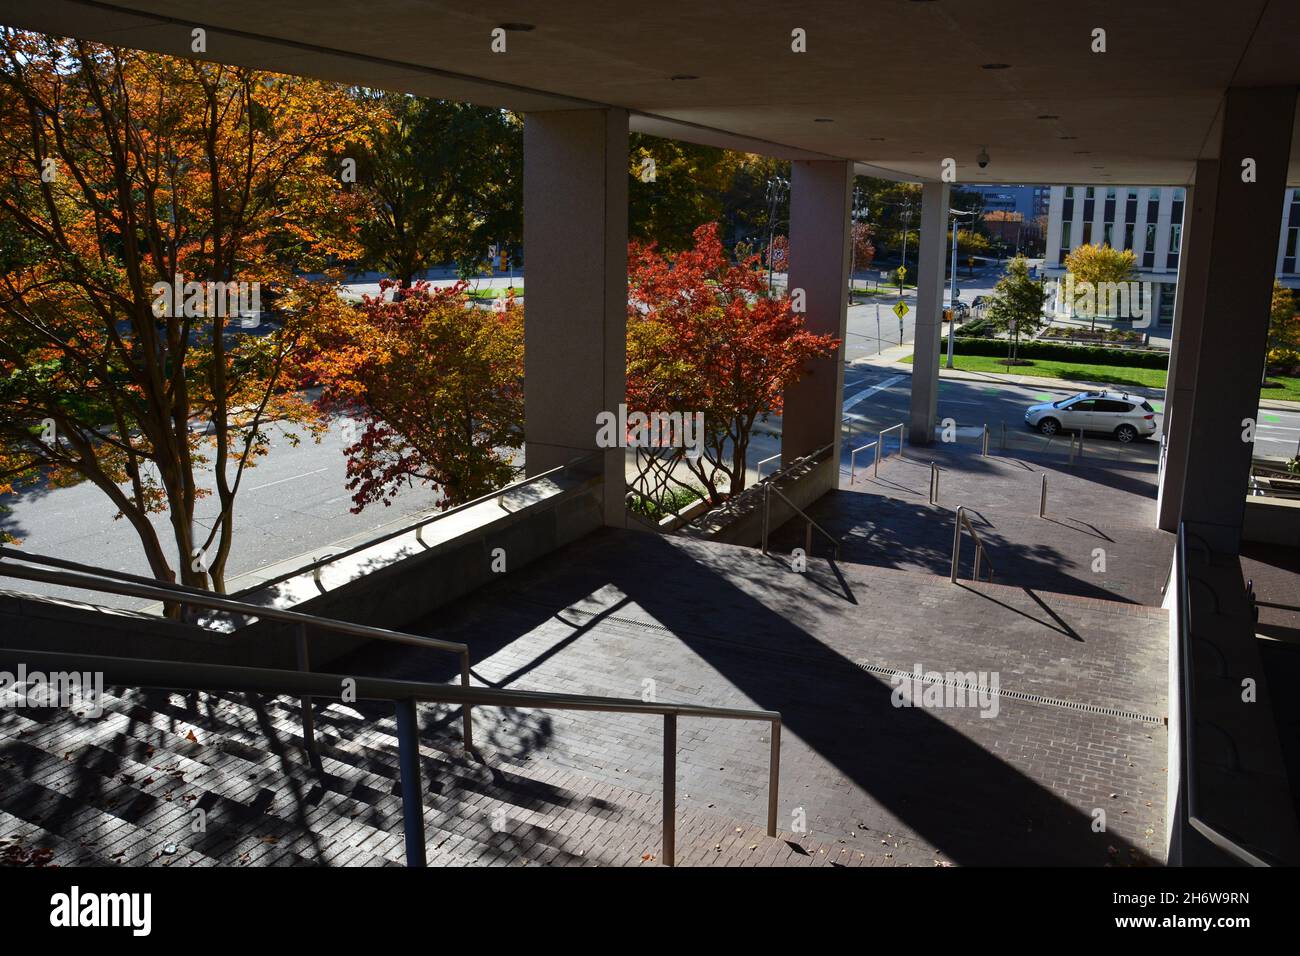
[1126,433]
[1049,426]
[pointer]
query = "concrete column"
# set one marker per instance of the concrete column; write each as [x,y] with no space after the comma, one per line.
[1223,307]
[1055,207]
[820,193]
[929,312]
[575,326]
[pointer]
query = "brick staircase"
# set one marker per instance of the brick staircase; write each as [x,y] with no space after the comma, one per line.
[123,788]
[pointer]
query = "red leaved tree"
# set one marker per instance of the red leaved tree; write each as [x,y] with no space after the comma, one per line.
[437,386]
[703,336]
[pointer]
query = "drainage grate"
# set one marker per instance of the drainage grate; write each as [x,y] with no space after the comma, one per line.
[1026,698]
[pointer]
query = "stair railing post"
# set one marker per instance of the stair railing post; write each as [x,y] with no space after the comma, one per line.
[467,728]
[408,755]
[767,509]
[1042,499]
[956,542]
[308,711]
[670,789]
[773,777]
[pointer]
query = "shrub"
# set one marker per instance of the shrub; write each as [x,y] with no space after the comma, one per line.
[1084,354]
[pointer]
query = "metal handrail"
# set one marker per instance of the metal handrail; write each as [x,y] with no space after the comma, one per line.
[980,550]
[853,454]
[1188,737]
[881,439]
[767,508]
[760,465]
[177,675]
[181,594]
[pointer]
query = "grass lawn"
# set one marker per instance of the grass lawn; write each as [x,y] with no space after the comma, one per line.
[493,292]
[1071,371]
[1286,390]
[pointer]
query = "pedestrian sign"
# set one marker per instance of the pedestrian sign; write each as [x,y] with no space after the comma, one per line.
[901,309]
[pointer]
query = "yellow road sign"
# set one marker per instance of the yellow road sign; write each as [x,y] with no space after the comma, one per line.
[901,309]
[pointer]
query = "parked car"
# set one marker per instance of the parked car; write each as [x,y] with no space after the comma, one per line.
[1112,413]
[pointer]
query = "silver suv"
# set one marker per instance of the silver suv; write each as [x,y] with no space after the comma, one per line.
[1115,413]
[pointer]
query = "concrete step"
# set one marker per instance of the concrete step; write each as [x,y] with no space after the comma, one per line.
[121,788]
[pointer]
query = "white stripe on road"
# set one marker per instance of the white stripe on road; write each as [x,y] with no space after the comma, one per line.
[290,478]
[867,393]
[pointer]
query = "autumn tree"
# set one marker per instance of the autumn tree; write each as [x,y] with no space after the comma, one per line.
[704,336]
[435,385]
[1283,328]
[1016,305]
[122,172]
[442,181]
[1098,265]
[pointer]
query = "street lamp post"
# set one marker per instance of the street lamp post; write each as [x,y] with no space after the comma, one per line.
[952,298]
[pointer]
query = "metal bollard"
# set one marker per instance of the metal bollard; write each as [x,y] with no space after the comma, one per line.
[1042,499]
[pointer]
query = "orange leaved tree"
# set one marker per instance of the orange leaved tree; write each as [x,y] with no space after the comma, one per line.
[151,209]
[704,336]
[436,386]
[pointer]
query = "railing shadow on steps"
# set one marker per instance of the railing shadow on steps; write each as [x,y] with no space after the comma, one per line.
[307,686]
[404,696]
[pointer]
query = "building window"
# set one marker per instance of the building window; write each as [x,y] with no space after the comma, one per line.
[1149,253]
[1087,231]
[1128,234]
[1088,203]
[1175,241]
[1292,240]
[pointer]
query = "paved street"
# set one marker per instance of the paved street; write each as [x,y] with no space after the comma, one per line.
[293,502]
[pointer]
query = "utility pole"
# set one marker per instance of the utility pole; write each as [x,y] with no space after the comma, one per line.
[952,297]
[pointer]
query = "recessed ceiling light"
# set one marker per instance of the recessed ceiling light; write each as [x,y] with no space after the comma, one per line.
[683,76]
[995,66]
[823,119]
[516,27]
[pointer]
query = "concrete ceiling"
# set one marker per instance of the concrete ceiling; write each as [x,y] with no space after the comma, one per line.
[902,82]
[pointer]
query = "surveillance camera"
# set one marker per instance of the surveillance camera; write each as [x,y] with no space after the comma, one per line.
[983,157]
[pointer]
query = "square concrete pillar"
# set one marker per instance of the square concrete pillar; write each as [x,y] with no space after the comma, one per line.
[929,312]
[820,193]
[1223,309]
[575,315]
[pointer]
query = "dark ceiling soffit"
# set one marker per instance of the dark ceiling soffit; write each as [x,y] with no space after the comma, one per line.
[639,121]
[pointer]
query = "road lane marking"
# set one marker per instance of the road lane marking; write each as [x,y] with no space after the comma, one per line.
[863,395]
[290,478]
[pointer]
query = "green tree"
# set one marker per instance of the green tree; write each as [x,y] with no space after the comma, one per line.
[1016,306]
[443,181]
[1283,326]
[674,187]
[1098,265]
